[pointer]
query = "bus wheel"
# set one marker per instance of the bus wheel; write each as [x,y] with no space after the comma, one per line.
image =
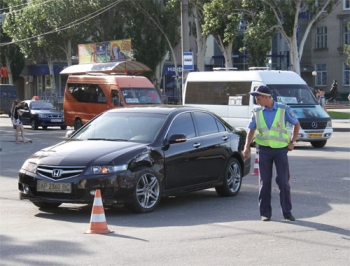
[77,124]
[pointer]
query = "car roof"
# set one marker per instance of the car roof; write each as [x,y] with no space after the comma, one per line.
[162,109]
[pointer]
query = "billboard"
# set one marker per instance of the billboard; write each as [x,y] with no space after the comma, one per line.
[102,52]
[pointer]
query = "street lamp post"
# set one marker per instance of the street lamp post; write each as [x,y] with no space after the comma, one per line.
[314,74]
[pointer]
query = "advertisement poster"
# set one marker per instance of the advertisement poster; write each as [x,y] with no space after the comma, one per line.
[120,50]
[86,53]
[102,52]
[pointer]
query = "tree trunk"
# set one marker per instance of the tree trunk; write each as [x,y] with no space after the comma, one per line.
[201,42]
[8,63]
[52,83]
[69,52]
[226,51]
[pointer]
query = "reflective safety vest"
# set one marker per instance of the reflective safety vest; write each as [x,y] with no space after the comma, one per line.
[277,136]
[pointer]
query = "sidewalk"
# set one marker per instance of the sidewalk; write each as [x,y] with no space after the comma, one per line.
[340,125]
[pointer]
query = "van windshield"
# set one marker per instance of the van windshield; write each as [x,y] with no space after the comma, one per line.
[136,96]
[292,94]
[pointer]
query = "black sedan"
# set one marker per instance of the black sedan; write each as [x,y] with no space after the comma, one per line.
[41,113]
[136,156]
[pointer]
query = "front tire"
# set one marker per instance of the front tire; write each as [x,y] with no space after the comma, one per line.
[147,192]
[232,181]
[318,144]
[34,124]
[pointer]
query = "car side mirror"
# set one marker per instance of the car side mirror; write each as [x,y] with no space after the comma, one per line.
[177,138]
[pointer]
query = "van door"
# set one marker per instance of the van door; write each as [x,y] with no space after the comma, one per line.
[115,97]
[239,102]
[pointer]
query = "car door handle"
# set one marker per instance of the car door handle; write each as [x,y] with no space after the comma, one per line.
[224,138]
[196,145]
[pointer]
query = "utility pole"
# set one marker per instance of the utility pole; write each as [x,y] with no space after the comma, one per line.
[184,39]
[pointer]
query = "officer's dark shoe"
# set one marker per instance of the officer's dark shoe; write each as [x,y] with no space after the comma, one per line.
[289,218]
[265,219]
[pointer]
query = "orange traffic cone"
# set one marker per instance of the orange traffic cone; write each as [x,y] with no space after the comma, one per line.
[98,223]
[256,163]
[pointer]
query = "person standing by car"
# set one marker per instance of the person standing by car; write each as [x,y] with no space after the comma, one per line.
[17,122]
[322,99]
[274,142]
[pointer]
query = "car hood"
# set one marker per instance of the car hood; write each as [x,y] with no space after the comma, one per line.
[50,112]
[82,153]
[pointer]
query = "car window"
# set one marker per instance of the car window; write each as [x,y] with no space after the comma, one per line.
[183,124]
[220,126]
[206,123]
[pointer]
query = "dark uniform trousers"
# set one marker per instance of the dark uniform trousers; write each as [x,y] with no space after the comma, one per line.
[267,157]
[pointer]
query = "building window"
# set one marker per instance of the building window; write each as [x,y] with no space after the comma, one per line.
[346,34]
[346,75]
[321,78]
[346,4]
[321,37]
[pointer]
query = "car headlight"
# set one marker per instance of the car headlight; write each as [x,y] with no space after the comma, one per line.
[106,169]
[329,123]
[42,115]
[29,166]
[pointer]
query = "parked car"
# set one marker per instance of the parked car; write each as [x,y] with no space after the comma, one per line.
[136,156]
[41,113]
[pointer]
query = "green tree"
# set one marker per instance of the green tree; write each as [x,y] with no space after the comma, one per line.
[10,54]
[347,49]
[45,30]
[153,29]
[222,18]
[286,17]
[257,37]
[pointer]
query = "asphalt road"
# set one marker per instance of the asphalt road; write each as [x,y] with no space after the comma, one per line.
[194,229]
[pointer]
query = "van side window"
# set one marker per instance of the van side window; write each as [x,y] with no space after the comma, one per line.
[217,92]
[88,93]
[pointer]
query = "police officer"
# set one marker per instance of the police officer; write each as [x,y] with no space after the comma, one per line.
[274,142]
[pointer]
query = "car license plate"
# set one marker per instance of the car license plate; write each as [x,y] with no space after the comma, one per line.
[56,120]
[53,187]
[315,135]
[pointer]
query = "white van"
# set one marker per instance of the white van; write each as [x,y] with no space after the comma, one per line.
[226,93]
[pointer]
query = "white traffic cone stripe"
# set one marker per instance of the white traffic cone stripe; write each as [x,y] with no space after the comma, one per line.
[98,201]
[98,218]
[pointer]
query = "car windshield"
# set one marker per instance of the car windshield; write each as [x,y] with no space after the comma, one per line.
[123,126]
[41,105]
[292,94]
[136,96]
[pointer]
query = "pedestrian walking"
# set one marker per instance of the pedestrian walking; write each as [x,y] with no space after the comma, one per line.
[16,120]
[274,140]
[333,91]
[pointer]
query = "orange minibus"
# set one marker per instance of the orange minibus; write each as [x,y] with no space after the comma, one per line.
[92,92]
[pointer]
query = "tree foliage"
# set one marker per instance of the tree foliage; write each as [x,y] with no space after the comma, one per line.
[284,16]
[222,18]
[10,55]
